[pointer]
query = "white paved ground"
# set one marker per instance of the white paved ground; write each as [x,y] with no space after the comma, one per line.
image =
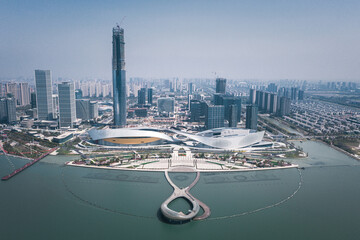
[185,160]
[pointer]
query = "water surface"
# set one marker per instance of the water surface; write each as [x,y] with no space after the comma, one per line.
[51,201]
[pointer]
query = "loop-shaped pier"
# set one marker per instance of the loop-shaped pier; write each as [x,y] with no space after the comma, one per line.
[184,193]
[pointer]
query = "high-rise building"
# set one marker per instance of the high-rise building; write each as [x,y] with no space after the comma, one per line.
[11,109]
[301,95]
[195,110]
[214,117]
[233,112]
[86,109]
[55,101]
[7,110]
[221,85]
[266,107]
[261,102]
[284,106]
[167,84]
[119,77]
[238,102]
[67,104]
[33,100]
[190,88]
[166,104]
[218,99]
[3,111]
[294,93]
[272,87]
[94,109]
[44,94]
[273,103]
[150,96]
[23,94]
[227,102]
[142,96]
[83,109]
[251,117]
[2,90]
[252,97]
[78,94]
[11,90]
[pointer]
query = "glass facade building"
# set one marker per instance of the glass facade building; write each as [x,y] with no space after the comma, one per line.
[251,117]
[119,77]
[44,94]
[214,116]
[221,85]
[67,105]
[166,104]
[150,96]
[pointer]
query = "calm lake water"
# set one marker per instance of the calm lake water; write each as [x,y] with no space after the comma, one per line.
[51,201]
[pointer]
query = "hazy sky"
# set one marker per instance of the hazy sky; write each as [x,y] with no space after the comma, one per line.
[266,39]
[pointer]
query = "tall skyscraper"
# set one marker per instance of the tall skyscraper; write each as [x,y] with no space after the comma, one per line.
[301,95]
[218,99]
[252,97]
[119,77]
[233,115]
[284,106]
[251,117]
[190,88]
[2,90]
[166,104]
[227,101]
[55,100]
[44,94]
[78,94]
[214,117]
[266,107]
[67,107]
[221,85]
[150,96]
[195,110]
[33,100]
[294,93]
[3,111]
[261,102]
[24,94]
[11,88]
[86,109]
[272,87]
[273,103]
[11,109]
[7,110]
[142,96]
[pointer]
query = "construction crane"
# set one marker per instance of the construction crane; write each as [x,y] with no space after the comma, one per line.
[119,24]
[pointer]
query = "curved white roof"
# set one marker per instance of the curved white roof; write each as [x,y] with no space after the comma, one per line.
[238,138]
[126,132]
[227,142]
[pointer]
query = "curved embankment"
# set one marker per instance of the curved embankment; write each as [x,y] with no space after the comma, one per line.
[184,193]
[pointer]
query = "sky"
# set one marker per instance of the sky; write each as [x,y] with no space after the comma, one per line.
[254,39]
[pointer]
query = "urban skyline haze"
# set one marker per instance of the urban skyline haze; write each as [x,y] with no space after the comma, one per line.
[234,39]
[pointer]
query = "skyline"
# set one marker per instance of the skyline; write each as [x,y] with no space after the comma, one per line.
[311,40]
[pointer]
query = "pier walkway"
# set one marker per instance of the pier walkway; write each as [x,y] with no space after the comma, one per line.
[16,171]
[184,193]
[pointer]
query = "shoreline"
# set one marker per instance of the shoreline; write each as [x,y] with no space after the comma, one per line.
[195,170]
[17,156]
[339,150]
